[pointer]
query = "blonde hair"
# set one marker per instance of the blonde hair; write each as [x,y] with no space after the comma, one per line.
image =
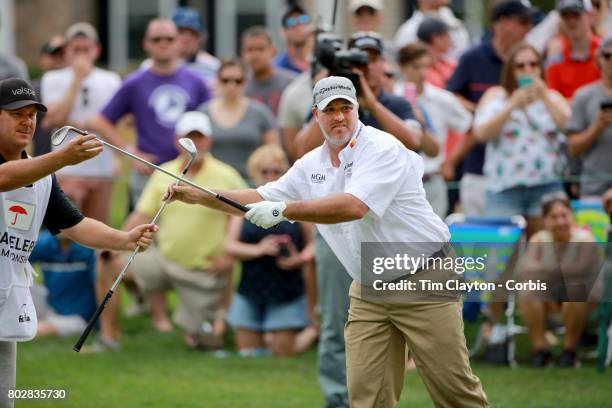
[267,153]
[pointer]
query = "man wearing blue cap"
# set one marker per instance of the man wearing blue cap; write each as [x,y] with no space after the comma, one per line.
[192,39]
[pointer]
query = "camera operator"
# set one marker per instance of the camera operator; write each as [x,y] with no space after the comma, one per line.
[377,108]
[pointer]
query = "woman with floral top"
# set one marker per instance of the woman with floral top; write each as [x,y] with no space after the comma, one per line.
[522,122]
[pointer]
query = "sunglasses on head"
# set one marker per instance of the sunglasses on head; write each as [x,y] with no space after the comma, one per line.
[523,65]
[294,21]
[236,81]
[157,40]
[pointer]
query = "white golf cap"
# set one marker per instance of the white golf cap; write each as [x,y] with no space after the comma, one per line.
[331,88]
[193,121]
[355,5]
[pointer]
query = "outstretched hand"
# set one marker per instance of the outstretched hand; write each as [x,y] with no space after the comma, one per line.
[81,148]
[141,236]
[186,194]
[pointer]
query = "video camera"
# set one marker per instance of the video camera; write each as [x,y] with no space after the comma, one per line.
[329,54]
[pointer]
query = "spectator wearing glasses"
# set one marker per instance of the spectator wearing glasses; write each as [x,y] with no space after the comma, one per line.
[75,95]
[479,69]
[590,126]
[157,97]
[239,124]
[299,40]
[571,62]
[266,82]
[522,121]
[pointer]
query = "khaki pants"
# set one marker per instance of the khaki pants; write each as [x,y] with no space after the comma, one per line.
[377,335]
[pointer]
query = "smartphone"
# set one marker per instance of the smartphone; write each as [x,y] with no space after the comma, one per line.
[606,105]
[524,81]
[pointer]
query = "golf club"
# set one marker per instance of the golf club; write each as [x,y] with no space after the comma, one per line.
[188,146]
[59,135]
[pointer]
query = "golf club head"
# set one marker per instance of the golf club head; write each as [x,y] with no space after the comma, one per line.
[188,145]
[60,134]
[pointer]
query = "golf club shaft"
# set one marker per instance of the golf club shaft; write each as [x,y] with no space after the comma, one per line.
[192,184]
[100,309]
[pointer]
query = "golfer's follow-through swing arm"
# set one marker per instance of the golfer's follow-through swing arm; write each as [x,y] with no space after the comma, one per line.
[188,146]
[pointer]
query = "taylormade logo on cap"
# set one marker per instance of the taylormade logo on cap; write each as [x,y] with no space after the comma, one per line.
[331,88]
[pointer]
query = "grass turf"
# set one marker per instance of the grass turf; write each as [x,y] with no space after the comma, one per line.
[156,370]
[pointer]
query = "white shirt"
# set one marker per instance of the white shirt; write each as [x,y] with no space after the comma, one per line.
[377,169]
[96,90]
[444,112]
[460,38]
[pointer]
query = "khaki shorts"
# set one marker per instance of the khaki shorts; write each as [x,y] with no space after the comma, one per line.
[198,291]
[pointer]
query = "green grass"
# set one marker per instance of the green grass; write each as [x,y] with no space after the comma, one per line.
[156,370]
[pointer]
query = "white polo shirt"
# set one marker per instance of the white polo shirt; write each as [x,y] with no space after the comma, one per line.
[377,169]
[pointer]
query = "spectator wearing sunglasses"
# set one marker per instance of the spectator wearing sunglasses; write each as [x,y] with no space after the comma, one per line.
[239,124]
[522,121]
[571,62]
[590,126]
[298,35]
[157,97]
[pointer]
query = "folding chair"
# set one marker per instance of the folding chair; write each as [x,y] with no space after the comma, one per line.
[589,213]
[497,238]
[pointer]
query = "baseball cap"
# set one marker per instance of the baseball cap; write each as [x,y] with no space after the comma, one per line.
[512,8]
[287,20]
[332,88]
[82,28]
[366,40]
[570,5]
[15,93]
[429,27]
[193,121]
[187,17]
[53,46]
[355,5]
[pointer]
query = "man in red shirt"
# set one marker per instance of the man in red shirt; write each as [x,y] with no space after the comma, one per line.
[572,57]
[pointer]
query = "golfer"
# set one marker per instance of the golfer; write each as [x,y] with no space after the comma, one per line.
[362,185]
[29,198]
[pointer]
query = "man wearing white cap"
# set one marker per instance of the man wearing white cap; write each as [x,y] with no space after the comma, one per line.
[363,187]
[198,273]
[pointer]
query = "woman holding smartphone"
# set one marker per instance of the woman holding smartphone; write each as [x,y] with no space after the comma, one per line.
[522,121]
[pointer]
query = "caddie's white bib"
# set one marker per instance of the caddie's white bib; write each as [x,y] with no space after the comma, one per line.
[21,215]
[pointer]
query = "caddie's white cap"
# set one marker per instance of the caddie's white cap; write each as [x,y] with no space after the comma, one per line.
[331,88]
[193,121]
